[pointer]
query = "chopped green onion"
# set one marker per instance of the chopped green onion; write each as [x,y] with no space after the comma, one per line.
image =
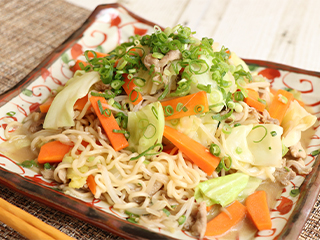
[315,153]
[47,166]
[174,122]
[140,82]
[262,101]
[146,162]
[145,153]
[29,164]
[166,211]
[238,96]
[157,55]
[215,149]
[165,93]
[182,219]
[238,150]
[154,111]
[198,109]
[294,192]
[168,110]
[132,220]
[117,84]
[238,108]
[179,107]
[231,105]
[237,125]
[287,169]
[151,129]
[106,112]
[222,164]
[130,214]
[226,129]
[206,88]
[283,99]
[130,94]
[220,118]
[273,133]
[264,134]
[184,109]
[11,113]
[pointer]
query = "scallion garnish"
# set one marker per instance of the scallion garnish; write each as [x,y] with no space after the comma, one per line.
[273,133]
[214,149]
[145,153]
[182,219]
[294,192]
[266,132]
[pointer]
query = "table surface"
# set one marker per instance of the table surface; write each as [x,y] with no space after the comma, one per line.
[283,31]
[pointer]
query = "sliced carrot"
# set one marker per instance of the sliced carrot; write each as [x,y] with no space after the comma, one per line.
[109,123]
[224,222]
[99,54]
[258,210]
[76,66]
[52,152]
[185,106]
[92,184]
[274,92]
[129,86]
[44,108]
[252,100]
[197,153]
[80,103]
[280,104]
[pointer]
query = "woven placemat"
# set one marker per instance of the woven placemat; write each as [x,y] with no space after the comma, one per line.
[29,31]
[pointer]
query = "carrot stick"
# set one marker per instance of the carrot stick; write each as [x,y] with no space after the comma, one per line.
[52,152]
[44,108]
[258,210]
[197,153]
[223,222]
[99,54]
[109,123]
[252,100]
[280,104]
[185,106]
[92,184]
[274,92]
[80,103]
[76,66]
[129,86]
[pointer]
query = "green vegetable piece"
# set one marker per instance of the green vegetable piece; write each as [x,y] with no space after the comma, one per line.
[222,190]
[251,187]
[182,219]
[315,152]
[294,192]
[146,128]
[65,58]
[27,92]
[47,166]
[61,112]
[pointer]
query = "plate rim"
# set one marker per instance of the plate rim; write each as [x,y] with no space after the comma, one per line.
[312,180]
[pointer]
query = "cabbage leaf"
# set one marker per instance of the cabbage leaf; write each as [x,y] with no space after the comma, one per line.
[296,120]
[146,127]
[264,142]
[61,111]
[222,190]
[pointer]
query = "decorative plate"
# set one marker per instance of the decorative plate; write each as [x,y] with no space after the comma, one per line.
[108,26]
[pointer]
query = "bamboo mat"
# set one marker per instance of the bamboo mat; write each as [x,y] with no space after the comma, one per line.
[29,31]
